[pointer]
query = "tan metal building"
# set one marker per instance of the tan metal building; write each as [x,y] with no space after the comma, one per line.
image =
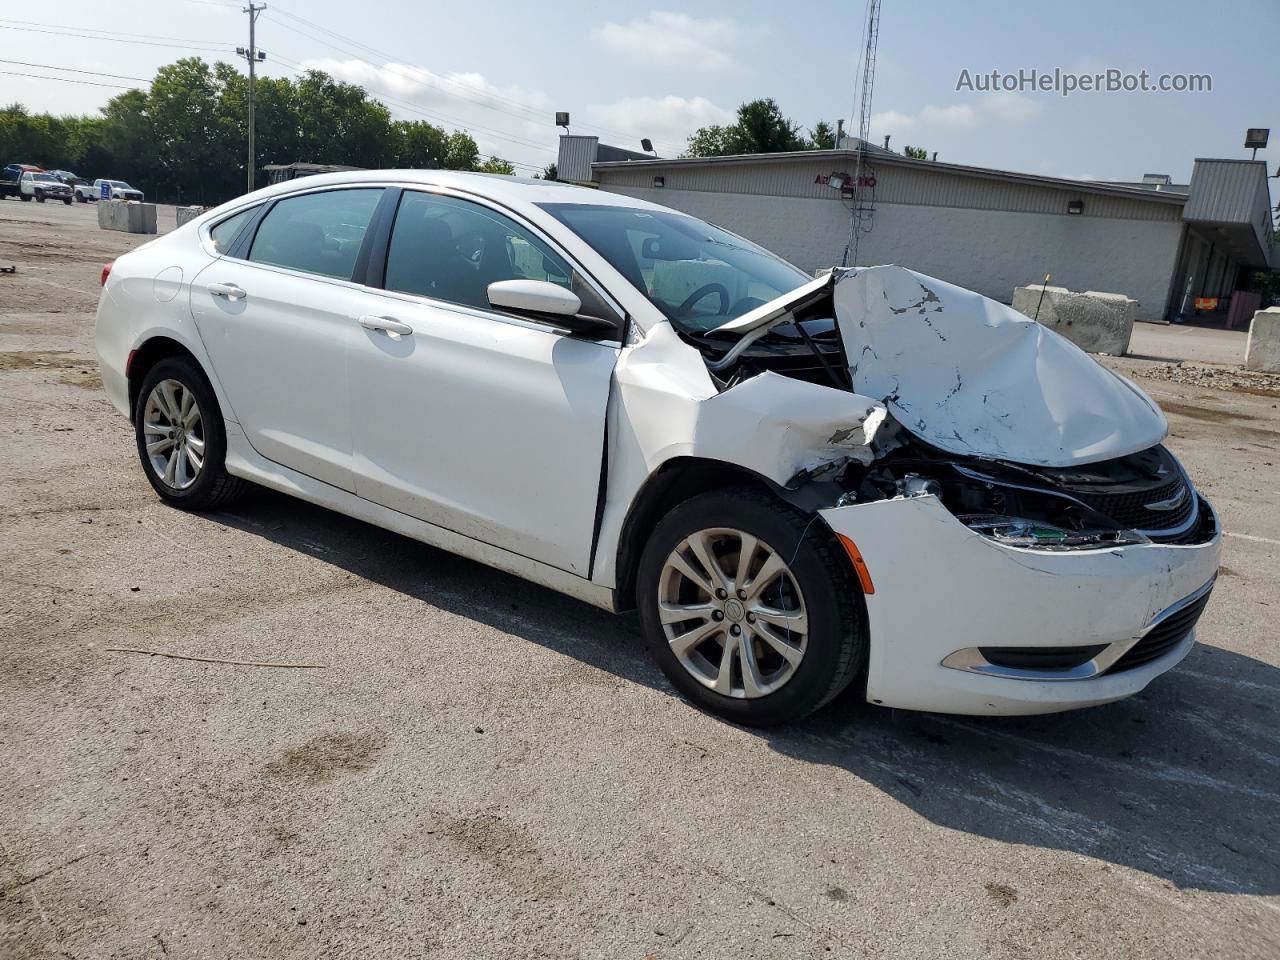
[1160,243]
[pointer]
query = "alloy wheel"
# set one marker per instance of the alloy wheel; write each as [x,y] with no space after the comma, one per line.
[173,430]
[733,613]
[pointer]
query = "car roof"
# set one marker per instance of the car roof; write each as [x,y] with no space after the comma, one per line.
[513,191]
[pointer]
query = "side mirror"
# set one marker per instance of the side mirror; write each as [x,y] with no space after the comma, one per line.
[548,302]
[534,296]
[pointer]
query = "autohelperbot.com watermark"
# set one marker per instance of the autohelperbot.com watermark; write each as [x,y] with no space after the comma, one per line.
[1067,82]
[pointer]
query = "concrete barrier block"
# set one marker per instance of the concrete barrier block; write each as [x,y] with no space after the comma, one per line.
[1262,352]
[127,217]
[186,214]
[1094,321]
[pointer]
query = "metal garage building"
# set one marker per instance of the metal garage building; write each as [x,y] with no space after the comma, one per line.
[989,230]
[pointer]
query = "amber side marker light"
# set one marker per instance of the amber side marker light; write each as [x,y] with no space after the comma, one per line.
[859,565]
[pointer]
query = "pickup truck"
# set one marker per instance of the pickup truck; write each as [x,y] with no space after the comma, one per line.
[43,186]
[10,177]
[107,190]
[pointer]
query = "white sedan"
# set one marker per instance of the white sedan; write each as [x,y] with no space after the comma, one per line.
[873,477]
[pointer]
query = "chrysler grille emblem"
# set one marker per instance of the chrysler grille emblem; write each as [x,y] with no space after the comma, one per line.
[1172,503]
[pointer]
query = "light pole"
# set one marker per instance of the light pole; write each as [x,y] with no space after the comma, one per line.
[254,56]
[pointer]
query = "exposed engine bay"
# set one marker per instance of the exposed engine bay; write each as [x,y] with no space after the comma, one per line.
[1022,436]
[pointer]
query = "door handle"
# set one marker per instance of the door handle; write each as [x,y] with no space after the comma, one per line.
[227,290]
[388,325]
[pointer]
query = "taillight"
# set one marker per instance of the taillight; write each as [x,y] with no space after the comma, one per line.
[106,272]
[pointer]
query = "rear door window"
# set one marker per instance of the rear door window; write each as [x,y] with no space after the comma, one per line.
[318,233]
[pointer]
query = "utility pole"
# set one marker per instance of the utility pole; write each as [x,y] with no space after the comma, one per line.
[254,56]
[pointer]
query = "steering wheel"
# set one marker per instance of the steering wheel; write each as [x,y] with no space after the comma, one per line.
[702,291]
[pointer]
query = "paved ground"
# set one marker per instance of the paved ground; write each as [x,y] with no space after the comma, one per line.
[484,768]
[1181,342]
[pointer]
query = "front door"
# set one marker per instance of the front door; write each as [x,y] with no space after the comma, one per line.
[278,326]
[480,422]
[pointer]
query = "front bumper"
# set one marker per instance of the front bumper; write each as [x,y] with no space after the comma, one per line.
[942,590]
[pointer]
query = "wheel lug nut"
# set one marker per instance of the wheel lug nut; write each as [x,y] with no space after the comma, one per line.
[717,615]
[735,629]
[751,618]
[720,594]
[742,594]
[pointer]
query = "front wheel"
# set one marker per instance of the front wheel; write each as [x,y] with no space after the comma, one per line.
[80,198]
[181,438]
[40,198]
[25,198]
[67,201]
[750,607]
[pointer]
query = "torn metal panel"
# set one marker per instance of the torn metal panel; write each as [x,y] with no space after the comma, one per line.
[665,405]
[974,377]
[773,425]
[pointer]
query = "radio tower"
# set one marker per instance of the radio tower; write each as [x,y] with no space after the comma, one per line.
[863,209]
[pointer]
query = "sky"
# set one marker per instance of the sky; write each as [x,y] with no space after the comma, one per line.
[626,71]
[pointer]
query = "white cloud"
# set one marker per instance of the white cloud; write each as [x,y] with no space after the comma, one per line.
[1005,108]
[668,121]
[891,121]
[956,115]
[1012,107]
[673,40]
[459,101]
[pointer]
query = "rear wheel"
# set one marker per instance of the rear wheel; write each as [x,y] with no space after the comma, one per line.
[67,201]
[750,607]
[24,197]
[181,438]
[80,197]
[40,197]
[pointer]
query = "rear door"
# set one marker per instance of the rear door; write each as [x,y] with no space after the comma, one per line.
[276,316]
[479,421]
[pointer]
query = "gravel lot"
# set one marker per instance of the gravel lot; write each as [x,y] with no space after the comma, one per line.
[484,768]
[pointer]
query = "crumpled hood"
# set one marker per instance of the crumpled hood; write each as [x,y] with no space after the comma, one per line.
[972,376]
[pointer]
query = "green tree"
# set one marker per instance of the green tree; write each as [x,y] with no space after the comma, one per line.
[462,152]
[915,153]
[185,139]
[497,165]
[760,128]
[550,172]
[822,136]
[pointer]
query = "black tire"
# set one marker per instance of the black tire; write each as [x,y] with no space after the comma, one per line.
[40,198]
[213,486]
[24,197]
[67,201]
[80,197]
[836,647]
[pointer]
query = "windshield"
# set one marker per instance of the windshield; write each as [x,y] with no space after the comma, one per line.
[120,183]
[698,275]
[41,176]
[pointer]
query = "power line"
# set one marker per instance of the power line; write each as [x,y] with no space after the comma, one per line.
[117,33]
[461,124]
[190,46]
[434,79]
[91,83]
[94,73]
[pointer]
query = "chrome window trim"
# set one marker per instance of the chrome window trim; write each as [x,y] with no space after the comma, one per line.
[971,659]
[610,300]
[206,241]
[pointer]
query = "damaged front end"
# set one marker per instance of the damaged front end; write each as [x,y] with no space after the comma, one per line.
[1024,438]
